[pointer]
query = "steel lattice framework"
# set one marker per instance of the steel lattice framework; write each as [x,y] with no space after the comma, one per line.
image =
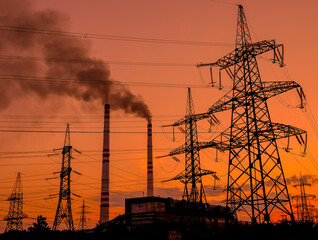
[83,219]
[64,210]
[15,215]
[256,182]
[303,213]
[191,177]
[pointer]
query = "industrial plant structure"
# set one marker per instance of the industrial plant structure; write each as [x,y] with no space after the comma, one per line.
[172,219]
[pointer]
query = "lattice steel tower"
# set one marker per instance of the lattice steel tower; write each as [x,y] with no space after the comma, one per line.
[64,210]
[255,172]
[15,215]
[191,177]
[83,219]
[256,183]
[302,206]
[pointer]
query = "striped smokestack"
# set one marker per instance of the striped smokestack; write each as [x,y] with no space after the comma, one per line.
[104,206]
[149,162]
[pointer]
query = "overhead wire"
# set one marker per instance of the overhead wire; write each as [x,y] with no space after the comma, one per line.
[54,80]
[81,127]
[79,122]
[224,2]
[168,171]
[311,120]
[129,150]
[124,170]
[93,61]
[312,159]
[108,37]
[76,116]
[77,132]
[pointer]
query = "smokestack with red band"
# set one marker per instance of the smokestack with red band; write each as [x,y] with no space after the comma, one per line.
[149,163]
[104,206]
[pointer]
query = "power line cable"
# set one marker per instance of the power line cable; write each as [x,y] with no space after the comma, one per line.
[51,80]
[109,37]
[90,61]
[76,116]
[224,2]
[80,132]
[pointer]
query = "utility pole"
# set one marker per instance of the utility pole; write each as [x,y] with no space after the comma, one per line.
[64,210]
[15,215]
[255,174]
[83,220]
[191,177]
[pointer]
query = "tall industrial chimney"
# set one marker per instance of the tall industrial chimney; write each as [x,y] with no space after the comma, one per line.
[104,206]
[149,162]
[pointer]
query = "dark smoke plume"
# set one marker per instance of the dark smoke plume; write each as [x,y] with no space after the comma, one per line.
[93,77]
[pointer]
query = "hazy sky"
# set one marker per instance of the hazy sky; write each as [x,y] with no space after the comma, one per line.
[36,112]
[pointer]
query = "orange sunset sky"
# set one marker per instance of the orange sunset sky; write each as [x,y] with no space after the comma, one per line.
[33,117]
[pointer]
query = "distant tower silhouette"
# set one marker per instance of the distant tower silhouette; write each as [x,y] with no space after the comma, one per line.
[15,216]
[83,220]
[64,210]
[232,203]
[302,205]
[191,177]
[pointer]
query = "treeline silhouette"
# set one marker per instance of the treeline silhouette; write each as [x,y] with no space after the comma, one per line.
[304,230]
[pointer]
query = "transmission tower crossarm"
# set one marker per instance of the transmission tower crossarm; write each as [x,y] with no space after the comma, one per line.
[200,145]
[306,195]
[271,89]
[194,117]
[176,151]
[228,102]
[222,141]
[180,176]
[278,130]
[283,130]
[272,130]
[225,103]
[203,172]
[249,50]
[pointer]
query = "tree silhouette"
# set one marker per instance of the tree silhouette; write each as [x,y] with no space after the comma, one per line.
[40,225]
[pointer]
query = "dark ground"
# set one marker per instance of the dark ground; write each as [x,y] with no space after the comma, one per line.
[245,232]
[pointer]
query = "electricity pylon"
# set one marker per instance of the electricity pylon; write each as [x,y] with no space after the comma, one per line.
[256,179]
[15,215]
[64,210]
[83,219]
[302,206]
[191,177]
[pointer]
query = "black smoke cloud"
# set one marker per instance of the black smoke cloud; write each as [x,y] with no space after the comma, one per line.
[92,77]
